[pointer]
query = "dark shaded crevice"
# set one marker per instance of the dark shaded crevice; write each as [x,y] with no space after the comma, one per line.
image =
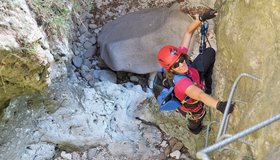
[152,124]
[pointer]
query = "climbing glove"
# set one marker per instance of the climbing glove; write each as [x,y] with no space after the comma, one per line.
[221,106]
[207,15]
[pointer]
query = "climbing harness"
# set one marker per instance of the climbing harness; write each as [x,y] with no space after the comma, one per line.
[188,104]
[164,92]
[194,116]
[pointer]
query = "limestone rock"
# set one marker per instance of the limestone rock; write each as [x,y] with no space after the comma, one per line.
[92,153]
[167,151]
[24,52]
[176,154]
[105,75]
[77,61]
[86,117]
[90,52]
[65,155]
[177,146]
[254,49]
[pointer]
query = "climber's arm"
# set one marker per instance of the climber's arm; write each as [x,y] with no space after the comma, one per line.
[195,24]
[196,93]
[189,31]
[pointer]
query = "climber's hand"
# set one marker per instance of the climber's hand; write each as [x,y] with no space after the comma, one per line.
[207,15]
[221,106]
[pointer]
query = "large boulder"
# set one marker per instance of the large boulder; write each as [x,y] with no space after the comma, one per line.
[131,43]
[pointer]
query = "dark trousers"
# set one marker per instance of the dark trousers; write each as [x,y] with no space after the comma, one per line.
[204,63]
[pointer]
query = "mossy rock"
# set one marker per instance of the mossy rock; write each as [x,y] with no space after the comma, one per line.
[20,73]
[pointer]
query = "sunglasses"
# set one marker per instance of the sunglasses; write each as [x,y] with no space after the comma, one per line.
[181,59]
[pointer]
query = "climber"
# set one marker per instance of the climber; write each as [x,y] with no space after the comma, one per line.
[192,90]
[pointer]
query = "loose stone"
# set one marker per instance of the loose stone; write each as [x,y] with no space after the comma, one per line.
[77,61]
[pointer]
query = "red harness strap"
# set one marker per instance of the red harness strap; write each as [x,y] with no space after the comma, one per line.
[192,109]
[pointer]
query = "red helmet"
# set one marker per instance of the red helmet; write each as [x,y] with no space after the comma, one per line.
[167,56]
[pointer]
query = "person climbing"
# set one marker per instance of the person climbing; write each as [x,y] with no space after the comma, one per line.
[194,85]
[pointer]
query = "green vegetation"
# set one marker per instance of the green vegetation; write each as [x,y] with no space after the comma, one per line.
[56,16]
[52,15]
[20,69]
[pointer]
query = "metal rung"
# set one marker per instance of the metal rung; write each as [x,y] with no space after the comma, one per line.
[202,154]
[240,140]
[225,116]
[207,132]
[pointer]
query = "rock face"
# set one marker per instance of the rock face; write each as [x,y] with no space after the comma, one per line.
[86,118]
[24,57]
[248,41]
[121,121]
[131,43]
